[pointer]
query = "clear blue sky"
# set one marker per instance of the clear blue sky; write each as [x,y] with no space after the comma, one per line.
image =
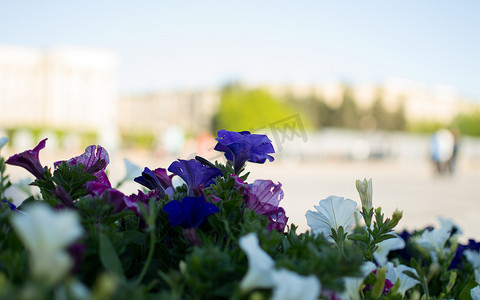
[195,43]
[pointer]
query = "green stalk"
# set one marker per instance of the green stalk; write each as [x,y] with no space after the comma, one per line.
[149,257]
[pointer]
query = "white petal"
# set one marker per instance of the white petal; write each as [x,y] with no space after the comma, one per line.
[473,257]
[434,240]
[332,212]
[131,170]
[396,273]
[475,293]
[46,233]
[385,247]
[260,264]
[289,285]
[353,284]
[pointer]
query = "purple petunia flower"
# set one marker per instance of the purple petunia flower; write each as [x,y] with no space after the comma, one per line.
[134,200]
[110,195]
[264,196]
[157,179]
[195,174]
[278,219]
[64,197]
[240,147]
[95,162]
[29,160]
[190,212]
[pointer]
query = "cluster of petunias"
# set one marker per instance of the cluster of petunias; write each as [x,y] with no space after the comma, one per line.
[216,235]
[191,210]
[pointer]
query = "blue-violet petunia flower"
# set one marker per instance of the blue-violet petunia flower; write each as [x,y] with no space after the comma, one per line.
[12,206]
[95,159]
[195,174]
[190,212]
[29,160]
[240,147]
[457,259]
[157,179]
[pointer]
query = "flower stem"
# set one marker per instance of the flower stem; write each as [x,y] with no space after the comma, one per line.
[149,257]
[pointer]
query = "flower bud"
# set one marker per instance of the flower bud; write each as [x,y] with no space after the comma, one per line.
[365,191]
[396,217]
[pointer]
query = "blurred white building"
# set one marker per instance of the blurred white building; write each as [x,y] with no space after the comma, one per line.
[191,110]
[65,88]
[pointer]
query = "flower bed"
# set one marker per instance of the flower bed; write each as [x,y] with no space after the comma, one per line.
[215,236]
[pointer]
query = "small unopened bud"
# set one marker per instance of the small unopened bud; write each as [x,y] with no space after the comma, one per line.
[396,217]
[364,188]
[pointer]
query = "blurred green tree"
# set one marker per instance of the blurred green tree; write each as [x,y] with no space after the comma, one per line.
[249,109]
[468,123]
[347,115]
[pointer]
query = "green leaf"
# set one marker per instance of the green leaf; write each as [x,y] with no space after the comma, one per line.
[465,294]
[358,237]
[383,238]
[109,257]
[135,237]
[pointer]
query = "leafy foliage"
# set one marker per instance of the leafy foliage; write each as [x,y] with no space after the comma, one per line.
[136,253]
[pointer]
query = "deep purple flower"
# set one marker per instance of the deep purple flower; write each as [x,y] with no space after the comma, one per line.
[190,212]
[134,200]
[195,174]
[157,179]
[95,162]
[29,160]
[240,147]
[63,195]
[76,251]
[278,220]
[110,195]
[264,196]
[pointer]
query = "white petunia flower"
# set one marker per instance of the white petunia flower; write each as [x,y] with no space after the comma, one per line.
[473,257]
[353,284]
[332,212]
[385,247]
[475,293]
[289,285]
[260,264]
[396,273]
[46,234]
[448,224]
[477,276]
[434,241]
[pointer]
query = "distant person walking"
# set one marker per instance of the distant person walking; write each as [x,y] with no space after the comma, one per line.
[442,149]
[456,143]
